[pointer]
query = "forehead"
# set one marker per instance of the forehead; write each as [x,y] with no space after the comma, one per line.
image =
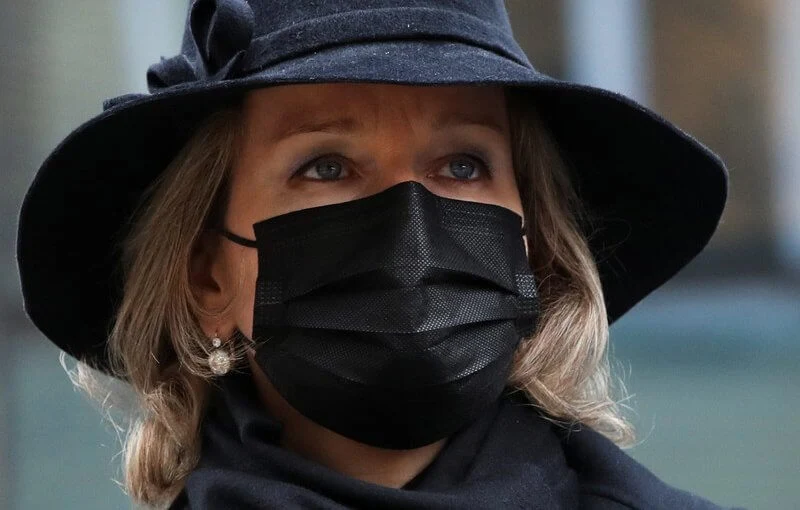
[289,106]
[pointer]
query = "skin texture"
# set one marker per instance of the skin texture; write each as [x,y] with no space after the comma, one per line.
[369,137]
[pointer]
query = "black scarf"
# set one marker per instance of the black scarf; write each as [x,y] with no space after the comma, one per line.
[509,458]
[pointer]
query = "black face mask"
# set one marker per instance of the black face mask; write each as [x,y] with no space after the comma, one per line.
[391,319]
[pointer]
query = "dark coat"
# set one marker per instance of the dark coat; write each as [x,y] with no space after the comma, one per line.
[511,457]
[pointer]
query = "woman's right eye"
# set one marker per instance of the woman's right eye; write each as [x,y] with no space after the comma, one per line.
[323,168]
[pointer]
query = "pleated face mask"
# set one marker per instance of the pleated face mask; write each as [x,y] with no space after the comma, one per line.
[391,319]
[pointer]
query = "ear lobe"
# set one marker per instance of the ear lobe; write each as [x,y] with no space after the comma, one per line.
[208,281]
[201,273]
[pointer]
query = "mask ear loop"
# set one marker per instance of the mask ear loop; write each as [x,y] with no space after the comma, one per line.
[249,243]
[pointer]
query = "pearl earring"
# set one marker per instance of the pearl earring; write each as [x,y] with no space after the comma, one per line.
[218,360]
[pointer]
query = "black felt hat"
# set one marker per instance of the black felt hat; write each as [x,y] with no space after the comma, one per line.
[656,193]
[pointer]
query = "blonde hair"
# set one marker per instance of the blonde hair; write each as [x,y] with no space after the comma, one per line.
[158,347]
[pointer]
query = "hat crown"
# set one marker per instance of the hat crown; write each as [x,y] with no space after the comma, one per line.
[273,15]
[234,38]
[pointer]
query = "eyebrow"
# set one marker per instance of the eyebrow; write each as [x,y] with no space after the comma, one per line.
[344,125]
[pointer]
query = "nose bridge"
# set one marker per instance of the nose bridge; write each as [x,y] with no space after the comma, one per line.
[397,160]
[401,170]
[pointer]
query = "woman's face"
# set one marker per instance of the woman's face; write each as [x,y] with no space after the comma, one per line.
[318,144]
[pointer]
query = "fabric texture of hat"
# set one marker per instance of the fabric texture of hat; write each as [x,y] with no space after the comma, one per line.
[655,194]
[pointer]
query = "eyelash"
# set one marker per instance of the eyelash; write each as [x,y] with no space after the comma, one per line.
[475,156]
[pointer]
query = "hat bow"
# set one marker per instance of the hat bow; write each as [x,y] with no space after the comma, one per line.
[218,35]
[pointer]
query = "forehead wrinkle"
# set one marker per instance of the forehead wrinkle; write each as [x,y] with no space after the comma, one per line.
[371,111]
[288,126]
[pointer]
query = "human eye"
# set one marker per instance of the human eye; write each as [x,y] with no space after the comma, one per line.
[466,167]
[329,167]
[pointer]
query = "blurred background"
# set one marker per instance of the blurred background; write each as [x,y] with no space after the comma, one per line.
[710,358]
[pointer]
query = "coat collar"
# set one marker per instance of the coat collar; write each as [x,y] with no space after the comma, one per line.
[511,457]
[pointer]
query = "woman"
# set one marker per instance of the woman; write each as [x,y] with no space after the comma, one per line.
[363,255]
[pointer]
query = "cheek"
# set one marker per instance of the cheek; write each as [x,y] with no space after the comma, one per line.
[244,319]
[511,197]
[242,306]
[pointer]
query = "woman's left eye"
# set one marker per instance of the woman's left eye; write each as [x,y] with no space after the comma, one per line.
[466,168]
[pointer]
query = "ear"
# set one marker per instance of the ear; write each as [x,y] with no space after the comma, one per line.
[211,282]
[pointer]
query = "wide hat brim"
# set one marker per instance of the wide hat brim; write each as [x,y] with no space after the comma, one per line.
[656,194]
